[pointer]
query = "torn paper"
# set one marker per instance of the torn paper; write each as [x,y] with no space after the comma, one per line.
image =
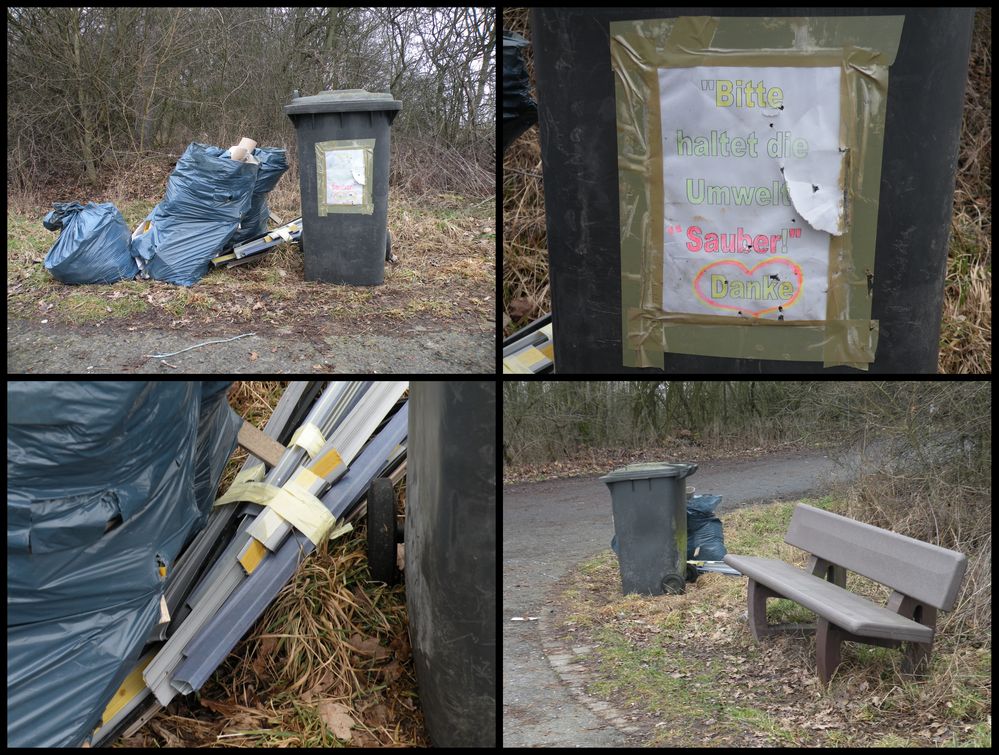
[815,180]
[741,239]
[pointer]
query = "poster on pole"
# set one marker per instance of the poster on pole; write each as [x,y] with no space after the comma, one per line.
[753,189]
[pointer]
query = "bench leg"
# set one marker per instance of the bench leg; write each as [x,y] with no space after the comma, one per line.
[827,648]
[758,595]
[916,658]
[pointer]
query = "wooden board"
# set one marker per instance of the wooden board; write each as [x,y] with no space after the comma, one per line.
[262,446]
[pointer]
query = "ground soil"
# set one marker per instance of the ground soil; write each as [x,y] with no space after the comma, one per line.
[118,347]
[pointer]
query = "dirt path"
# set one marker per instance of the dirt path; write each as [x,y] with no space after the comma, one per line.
[37,348]
[550,526]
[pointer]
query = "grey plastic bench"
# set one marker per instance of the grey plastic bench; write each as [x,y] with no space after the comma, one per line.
[923,578]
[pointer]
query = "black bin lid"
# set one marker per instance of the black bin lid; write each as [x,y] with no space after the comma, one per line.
[648,471]
[342,101]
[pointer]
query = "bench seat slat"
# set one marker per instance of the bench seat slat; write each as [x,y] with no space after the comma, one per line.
[845,609]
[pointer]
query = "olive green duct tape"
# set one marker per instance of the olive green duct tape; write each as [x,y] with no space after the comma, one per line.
[863,47]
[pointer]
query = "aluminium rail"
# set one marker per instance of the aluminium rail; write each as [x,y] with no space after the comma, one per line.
[530,350]
[248,602]
[188,566]
[269,528]
[228,573]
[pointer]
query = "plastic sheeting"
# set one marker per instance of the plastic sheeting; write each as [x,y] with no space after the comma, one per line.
[207,196]
[93,246]
[273,165]
[105,481]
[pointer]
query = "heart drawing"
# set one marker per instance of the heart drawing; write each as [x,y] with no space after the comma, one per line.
[779,280]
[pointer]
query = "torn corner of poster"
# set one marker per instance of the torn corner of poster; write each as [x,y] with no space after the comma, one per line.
[753,177]
[815,177]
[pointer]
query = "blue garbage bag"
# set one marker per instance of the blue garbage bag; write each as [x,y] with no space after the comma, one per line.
[207,195]
[704,529]
[93,246]
[273,165]
[106,482]
[519,109]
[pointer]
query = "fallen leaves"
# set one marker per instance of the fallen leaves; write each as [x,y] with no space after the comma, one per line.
[520,307]
[338,718]
[368,646]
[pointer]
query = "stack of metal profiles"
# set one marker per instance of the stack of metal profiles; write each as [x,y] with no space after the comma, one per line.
[339,437]
[531,350]
[256,248]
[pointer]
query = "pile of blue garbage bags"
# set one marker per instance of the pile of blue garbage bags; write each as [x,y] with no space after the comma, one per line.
[211,202]
[106,483]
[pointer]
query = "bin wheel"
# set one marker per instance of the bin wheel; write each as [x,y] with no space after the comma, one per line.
[692,573]
[382,531]
[673,584]
[389,257]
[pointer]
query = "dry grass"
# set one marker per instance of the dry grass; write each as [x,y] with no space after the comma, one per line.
[966,330]
[526,293]
[330,637]
[689,673]
[446,270]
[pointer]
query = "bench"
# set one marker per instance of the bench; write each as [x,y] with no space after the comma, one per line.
[923,578]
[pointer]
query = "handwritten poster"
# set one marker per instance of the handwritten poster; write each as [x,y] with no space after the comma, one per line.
[345,176]
[753,189]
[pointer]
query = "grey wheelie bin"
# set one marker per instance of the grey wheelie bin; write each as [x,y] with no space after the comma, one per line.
[650,523]
[343,159]
[451,558]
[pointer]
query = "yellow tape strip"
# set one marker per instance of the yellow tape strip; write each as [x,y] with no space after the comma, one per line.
[309,437]
[343,529]
[526,359]
[513,365]
[327,463]
[252,474]
[293,503]
[129,688]
[253,556]
[304,512]
[306,478]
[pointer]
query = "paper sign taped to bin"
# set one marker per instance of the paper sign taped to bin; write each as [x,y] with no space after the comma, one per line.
[345,176]
[752,189]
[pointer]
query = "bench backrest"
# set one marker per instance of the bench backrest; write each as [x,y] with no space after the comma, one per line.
[928,573]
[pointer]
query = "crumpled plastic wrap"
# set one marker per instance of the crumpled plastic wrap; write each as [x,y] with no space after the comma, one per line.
[273,163]
[106,482]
